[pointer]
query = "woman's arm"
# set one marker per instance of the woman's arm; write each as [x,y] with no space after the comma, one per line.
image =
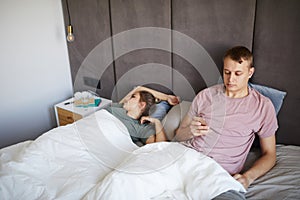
[160,134]
[127,97]
[172,100]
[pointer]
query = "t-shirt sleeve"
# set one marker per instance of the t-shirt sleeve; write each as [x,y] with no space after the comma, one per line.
[145,132]
[268,121]
[196,104]
[117,105]
[112,106]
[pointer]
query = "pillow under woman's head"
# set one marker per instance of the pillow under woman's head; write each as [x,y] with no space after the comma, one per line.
[160,110]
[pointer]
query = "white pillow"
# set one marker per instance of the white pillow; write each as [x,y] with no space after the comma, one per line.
[172,120]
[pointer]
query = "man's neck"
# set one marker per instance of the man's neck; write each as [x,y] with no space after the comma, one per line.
[237,94]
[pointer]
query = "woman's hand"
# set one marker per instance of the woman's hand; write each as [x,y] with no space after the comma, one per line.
[152,120]
[160,134]
[198,126]
[173,100]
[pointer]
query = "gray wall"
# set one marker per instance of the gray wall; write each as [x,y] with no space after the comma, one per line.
[277,51]
[270,28]
[35,71]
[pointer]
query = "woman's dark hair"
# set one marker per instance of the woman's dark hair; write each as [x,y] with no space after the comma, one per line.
[238,54]
[149,99]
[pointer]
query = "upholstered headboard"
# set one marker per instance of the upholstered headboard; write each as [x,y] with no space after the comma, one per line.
[269,28]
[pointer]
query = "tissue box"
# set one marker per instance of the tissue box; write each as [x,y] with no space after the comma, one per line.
[84,103]
[88,103]
[97,101]
[86,99]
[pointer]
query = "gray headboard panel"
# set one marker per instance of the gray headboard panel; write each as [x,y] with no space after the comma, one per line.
[130,15]
[276,58]
[215,25]
[91,25]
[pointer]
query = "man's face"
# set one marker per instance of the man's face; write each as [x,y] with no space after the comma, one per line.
[133,103]
[236,75]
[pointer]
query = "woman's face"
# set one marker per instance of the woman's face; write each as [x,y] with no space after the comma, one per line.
[133,103]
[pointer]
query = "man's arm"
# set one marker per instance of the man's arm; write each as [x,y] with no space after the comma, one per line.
[190,127]
[262,165]
[184,133]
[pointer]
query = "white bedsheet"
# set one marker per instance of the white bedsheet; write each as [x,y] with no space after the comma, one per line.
[282,181]
[66,162]
[165,171]
[96,159]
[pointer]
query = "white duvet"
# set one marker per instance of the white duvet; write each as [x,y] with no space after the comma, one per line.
[95,158]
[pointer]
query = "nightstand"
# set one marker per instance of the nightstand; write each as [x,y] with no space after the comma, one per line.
[66,112]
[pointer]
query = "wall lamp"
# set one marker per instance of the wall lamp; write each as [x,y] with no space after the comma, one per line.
[70,35]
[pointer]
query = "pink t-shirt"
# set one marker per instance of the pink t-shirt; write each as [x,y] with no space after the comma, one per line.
[233,123]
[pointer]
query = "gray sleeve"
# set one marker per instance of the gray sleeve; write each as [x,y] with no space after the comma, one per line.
[113,105]
[117,105]
[146,131]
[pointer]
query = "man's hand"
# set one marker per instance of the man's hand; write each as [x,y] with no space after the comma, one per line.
[198,126]
[244,180]
[262,165]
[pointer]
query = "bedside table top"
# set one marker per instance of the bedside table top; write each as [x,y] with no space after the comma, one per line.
[84,111]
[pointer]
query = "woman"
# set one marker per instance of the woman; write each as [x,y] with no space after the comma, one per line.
[133,111]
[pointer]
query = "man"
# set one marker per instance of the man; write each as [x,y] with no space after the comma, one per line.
[223,120]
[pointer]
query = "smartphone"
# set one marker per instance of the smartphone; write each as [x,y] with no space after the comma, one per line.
[201,119]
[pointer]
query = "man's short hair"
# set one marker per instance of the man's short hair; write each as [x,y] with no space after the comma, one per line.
[239,54]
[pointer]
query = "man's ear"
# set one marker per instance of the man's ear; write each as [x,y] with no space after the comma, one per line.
[251,71]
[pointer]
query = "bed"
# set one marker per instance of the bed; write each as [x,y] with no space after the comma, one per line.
[94,158]
[281,182]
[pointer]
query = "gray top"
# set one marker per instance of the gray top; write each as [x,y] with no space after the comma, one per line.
[137,131]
